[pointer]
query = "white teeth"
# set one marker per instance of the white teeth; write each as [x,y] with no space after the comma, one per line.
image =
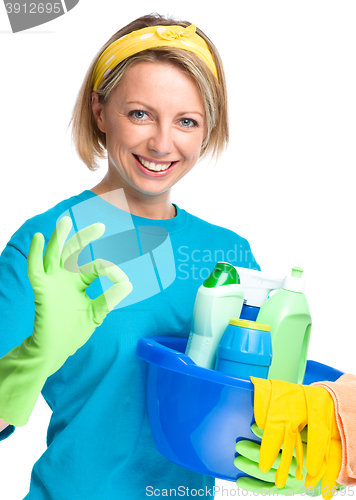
[153,166]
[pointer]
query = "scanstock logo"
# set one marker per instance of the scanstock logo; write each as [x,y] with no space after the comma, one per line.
[29,13]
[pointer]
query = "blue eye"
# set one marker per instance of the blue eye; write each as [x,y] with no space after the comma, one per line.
[138,114]
[188,123]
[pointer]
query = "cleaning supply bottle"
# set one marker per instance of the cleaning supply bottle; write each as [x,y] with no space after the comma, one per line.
[257,286]
[218,299]
[288,314]
[245,349]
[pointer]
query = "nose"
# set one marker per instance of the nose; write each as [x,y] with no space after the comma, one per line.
[161,140]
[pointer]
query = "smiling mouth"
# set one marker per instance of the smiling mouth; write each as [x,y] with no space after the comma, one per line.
[154,167]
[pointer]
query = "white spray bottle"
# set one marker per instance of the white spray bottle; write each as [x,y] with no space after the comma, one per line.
[257,286]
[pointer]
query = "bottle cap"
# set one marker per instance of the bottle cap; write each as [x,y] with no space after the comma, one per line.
[297,272]
[223,274]
[252,325]
[295,282]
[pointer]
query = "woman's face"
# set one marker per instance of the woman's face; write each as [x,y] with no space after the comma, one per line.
[154,120]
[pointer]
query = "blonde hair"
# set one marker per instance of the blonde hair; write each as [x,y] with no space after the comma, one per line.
[90,141]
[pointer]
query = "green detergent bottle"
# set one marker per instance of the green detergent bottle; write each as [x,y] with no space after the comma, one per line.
[288,314]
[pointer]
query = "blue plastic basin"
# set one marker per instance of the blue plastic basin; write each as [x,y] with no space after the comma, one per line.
[197,415]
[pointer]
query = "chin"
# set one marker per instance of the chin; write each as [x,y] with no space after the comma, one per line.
[154,192]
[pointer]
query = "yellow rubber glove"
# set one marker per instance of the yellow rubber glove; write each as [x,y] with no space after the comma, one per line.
[324,449]
[283,409]
[264,482]
[280,409]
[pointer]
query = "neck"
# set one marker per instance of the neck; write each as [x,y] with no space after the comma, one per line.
[140,204]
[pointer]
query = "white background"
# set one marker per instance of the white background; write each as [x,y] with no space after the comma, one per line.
[286,182]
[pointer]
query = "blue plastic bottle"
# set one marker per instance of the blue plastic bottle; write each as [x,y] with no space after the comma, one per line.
[245,349]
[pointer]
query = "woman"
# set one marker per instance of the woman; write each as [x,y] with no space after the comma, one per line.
[156,102]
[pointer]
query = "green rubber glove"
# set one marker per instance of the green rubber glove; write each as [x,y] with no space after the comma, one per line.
[264,482]
[65,317]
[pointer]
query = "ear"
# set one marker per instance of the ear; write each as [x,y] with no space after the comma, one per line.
[98,111]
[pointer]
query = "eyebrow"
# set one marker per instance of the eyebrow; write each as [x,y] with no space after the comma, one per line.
[151,109]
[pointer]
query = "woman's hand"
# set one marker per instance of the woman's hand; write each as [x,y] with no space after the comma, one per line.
[65,317]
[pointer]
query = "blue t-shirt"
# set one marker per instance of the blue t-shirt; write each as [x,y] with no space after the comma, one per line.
[99,439]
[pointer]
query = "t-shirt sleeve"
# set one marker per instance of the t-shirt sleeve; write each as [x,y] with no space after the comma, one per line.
[243,254]
[17,300]
[250,259]
[17,306]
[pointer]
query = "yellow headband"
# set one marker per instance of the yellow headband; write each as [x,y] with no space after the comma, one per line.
[146,38]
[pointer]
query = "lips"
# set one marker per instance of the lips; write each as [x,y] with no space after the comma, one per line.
[155,166]
[154,173]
